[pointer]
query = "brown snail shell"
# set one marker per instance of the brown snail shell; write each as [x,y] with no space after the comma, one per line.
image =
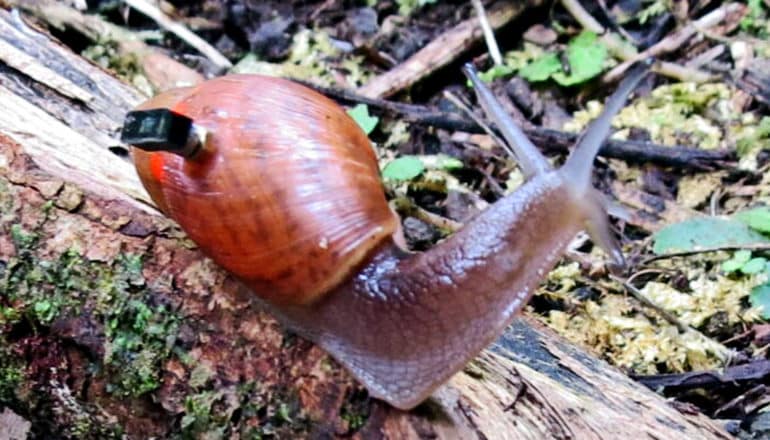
[286,193]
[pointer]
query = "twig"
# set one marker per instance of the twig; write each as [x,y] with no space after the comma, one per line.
[675,40]
[615,25]
[636,293]
[705,57]
[162,71]
[489,34]
[443,50]
[754,81]
[748,246]
[755,370]
[623,50]
[479,121]
[181,31]
[746,403]
[547,139]
[723,352]
[681,73]
[582,16]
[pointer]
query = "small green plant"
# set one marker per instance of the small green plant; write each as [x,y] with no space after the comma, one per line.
[139,337]
[703,233]
[583,59]
[760,298]
[653,9]
[355,410]
[542,68]
[755,21]
[403,168]
[360,114]
[11,375]
[743,262]
[408,167]
[585,55]
[408,7]
[757,219]
[756,137]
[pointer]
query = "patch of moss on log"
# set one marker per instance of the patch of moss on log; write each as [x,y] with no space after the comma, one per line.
[126,329]
[11,376]
[138,335]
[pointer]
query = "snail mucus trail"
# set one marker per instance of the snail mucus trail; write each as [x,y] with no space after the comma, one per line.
[278,185]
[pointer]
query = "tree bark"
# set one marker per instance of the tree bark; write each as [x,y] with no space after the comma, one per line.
[114,324]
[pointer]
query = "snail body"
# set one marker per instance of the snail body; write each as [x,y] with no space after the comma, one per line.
[285,194]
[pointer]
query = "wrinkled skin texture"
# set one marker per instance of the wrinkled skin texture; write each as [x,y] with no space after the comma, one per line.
[406,322]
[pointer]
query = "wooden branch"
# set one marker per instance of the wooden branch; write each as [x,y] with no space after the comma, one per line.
[162,71]
[675,40]
[547,139]
[621,49]
[441,51]
[181,32]
[112,324]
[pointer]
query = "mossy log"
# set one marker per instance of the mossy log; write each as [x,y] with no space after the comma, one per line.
[112,323]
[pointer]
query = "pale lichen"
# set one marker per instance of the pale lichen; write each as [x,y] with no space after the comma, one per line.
[673,114]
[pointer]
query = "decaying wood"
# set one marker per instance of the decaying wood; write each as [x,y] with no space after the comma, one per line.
[162,71]
[181,31]
[90,267]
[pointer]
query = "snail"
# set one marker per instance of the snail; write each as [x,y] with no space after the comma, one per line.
[279,186]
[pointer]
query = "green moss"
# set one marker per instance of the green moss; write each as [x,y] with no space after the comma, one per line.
[139,335]
[355,410]
[199,417]
[33,286]
[11,375]
[108,55]
[6,200]
[139,338]
[245,411]
[22,239]
[281,417]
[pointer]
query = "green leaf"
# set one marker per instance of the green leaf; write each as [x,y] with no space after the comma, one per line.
[496,72]
[753,266]
[42,307]
[586,55]
[705,232]
[757,219]
[403,168]
[739,258]
[760,297]
[754,19]
[360,113]
[542,68]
